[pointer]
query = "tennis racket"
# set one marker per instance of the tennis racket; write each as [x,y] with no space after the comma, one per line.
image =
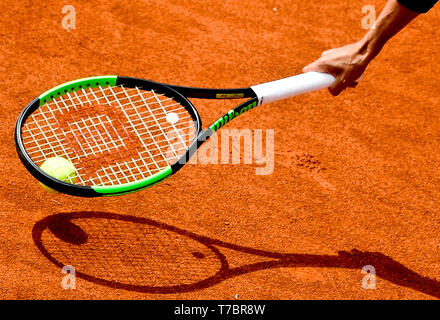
[125,134]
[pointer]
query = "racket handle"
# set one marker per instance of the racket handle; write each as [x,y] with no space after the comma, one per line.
[292,86]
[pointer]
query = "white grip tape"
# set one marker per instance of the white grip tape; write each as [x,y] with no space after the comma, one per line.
[292,86]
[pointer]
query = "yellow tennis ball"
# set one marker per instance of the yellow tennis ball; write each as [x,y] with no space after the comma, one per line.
[59,168]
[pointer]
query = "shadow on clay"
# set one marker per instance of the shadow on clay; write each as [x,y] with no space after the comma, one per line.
[62,227]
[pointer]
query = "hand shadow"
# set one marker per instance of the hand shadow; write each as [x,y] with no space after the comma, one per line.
[100,230]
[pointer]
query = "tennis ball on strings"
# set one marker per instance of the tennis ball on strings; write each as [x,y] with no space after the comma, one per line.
[59,168]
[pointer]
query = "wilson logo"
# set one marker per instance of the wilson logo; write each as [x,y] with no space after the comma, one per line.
[231,115]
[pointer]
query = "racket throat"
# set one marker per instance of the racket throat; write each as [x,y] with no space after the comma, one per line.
[202,138]
[233,113]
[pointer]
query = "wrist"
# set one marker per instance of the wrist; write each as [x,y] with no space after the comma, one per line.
[367,49]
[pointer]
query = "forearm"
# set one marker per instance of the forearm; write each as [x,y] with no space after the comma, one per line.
[349,62]
[393,18]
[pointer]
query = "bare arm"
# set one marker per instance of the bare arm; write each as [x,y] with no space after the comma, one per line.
[349,62]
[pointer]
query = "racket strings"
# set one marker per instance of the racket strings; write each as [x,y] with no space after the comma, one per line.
[132,165]
[77,100]
[140,113]
[39,148]
[112,135]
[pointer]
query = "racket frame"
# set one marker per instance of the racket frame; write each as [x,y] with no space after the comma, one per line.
[179,94]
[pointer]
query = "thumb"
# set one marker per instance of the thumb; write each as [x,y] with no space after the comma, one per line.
[315,66]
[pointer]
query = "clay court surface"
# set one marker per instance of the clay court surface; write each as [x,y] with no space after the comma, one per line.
[356,178]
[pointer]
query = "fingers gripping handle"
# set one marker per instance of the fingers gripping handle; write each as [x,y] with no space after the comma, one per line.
[292,86]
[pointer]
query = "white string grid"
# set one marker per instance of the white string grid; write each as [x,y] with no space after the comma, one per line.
[112,135]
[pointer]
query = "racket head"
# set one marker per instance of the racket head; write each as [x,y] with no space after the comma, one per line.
[116,131]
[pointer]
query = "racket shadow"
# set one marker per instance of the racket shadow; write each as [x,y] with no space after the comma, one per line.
[144,255]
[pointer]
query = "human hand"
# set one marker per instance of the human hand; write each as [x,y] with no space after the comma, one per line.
[346,64]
